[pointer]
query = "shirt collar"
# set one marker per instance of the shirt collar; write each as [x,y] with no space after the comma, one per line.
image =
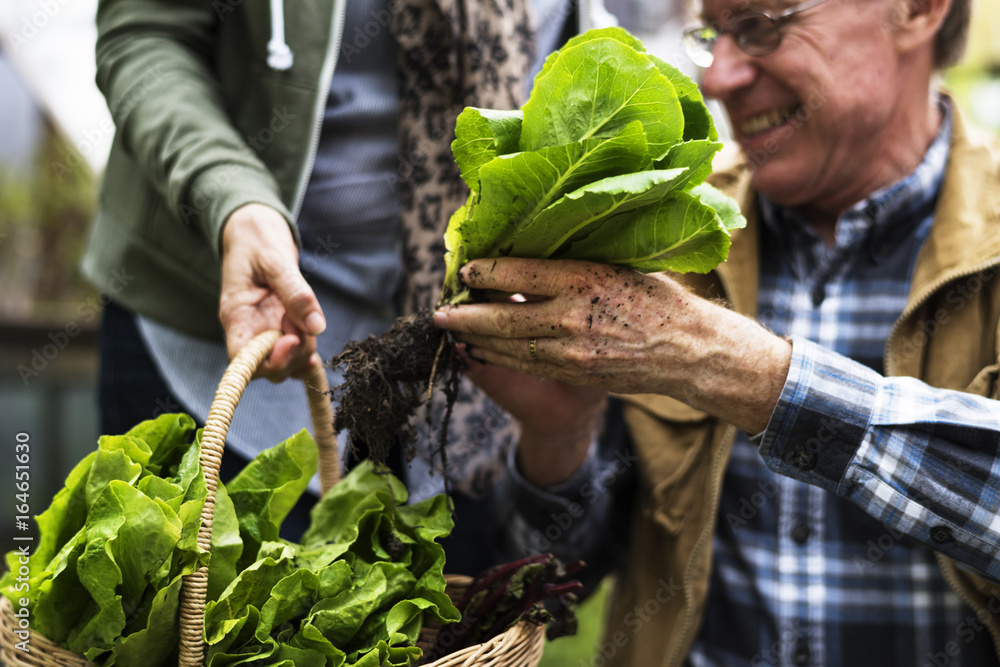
[886,213]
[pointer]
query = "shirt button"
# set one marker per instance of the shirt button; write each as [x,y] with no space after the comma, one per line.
[801,533]
[803,459]
[942,535]
[800,655]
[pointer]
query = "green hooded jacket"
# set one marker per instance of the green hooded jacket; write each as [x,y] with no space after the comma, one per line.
[204,125]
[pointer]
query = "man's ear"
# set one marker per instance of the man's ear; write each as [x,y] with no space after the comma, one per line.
[917,22]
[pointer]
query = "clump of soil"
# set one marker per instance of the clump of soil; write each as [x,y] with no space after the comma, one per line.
[386,379]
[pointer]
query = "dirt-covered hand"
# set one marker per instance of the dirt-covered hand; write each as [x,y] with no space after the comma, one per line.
[623,331]
[262,288]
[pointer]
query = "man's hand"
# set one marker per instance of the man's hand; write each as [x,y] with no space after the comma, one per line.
[262,288]
[558,420]
[625,332]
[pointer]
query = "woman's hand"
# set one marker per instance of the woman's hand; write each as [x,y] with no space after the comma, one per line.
[262,288]
[625,332]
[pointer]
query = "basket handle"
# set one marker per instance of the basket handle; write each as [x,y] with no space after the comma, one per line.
[234,382]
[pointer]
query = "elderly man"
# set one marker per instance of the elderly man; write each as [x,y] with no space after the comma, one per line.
[819,485]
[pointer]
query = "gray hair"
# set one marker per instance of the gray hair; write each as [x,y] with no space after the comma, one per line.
[951,37]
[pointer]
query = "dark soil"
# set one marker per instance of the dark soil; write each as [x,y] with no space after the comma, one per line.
[386,378]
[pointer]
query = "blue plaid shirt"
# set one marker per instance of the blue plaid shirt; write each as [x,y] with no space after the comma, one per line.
[831,562]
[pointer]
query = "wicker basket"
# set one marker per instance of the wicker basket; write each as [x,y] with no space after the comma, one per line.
[520,646]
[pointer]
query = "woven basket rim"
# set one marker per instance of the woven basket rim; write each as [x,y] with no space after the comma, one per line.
[501,651]
[44,652]
[519,646]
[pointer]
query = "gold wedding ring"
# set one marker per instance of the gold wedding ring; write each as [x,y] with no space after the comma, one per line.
[532,342]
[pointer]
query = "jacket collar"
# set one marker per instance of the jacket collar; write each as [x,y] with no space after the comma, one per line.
[966,230]
[968,212]
[744,258]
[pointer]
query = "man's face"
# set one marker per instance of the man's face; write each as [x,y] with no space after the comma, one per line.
[813,115]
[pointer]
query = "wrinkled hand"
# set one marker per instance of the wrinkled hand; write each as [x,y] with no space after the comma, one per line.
[623,331]
[262,288]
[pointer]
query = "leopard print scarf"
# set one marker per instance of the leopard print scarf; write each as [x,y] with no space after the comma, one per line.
[452,54]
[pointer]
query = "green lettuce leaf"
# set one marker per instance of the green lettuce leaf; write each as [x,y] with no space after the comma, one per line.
[264,492]
[114,544]
[480,136]
[696,156]
[158,633]
[129,538]
[518,186]
[596,87]
[574,214]
[698,123]
[680,233]
[725,206]
[609,135]
[367,577]
[121,535]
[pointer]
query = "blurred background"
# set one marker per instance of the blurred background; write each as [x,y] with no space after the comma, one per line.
[55,132]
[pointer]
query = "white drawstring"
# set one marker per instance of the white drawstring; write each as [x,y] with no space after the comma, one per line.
[279,56]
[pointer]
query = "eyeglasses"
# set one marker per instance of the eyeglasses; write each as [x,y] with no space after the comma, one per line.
[756,33]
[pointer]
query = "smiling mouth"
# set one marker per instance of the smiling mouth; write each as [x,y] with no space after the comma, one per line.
[765,121]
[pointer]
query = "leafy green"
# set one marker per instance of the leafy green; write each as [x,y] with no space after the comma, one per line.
[484,134]
[367,576]
[695,156]
[116,541]
[517,187]
[681,232]
[725,207]
[114,544]
[592,204]
[607,142]
[264,492]
[594,88]
[698,122]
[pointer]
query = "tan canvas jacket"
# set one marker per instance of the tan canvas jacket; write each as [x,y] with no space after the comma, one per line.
[657,606]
